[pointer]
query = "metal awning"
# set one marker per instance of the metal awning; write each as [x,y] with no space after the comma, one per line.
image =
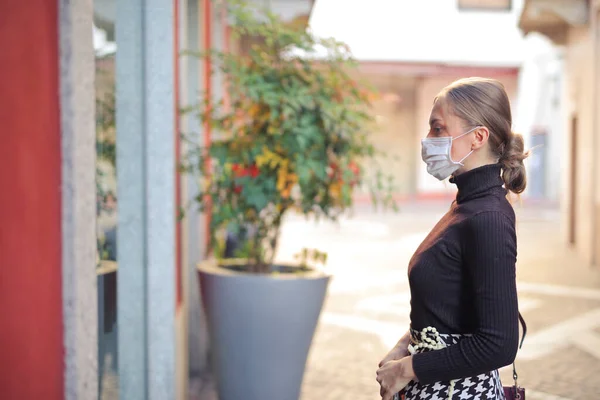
[553,18]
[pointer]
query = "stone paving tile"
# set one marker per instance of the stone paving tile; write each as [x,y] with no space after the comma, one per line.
[342,363]
[572,374]
[555,310]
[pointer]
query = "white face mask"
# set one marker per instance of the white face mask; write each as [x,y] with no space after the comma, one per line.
[436,154]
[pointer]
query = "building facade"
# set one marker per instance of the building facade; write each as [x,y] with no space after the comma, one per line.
[574,27]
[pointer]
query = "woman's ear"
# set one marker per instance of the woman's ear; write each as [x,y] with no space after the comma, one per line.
[482,134]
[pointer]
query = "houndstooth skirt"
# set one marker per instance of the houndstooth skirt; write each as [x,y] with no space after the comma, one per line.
[481,387]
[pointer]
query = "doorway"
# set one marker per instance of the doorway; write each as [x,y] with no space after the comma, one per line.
[573,180]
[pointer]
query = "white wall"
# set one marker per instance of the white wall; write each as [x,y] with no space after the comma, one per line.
[394,130]
[539,105]
[579,100]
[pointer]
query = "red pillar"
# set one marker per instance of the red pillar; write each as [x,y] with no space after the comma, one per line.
[31,335]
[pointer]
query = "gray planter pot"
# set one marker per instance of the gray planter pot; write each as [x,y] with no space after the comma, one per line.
[261,328]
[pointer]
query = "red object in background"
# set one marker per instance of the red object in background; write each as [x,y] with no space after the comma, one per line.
[240,171]
[31,323]
[356,171]
[352,166]
[333,169]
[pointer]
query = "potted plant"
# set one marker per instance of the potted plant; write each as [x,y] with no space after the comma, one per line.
[294,139]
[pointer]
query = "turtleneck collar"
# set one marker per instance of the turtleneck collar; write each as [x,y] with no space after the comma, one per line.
[478,182]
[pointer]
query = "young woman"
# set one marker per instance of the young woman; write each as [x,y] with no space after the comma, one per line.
[464,312]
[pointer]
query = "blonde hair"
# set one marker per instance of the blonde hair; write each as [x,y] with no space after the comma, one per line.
[482,101]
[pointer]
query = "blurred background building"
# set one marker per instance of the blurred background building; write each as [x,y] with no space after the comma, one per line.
[573,26]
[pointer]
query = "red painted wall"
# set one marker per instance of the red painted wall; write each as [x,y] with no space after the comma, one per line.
[31,349]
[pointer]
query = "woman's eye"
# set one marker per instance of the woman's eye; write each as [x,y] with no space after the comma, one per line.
[436,130]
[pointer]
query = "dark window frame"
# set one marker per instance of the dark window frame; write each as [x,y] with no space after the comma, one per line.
[462,7]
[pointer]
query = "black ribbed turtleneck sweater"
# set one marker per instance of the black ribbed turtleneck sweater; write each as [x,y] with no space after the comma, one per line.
[462,280]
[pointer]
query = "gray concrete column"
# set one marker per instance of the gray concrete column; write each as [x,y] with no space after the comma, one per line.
[193,228]
[146,176]
[79,279]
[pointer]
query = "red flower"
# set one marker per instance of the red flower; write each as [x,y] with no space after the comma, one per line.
[241,171]
[254,171]
[334,171]
[236,168]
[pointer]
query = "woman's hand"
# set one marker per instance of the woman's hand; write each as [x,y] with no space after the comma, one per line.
[393,376]
[399,351]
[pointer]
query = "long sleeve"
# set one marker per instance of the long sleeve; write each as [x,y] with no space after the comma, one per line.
[489,248]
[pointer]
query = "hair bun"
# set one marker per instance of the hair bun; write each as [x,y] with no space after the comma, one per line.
[513,169]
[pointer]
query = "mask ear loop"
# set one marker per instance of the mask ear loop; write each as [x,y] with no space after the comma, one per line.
[464,158]
[458,137]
